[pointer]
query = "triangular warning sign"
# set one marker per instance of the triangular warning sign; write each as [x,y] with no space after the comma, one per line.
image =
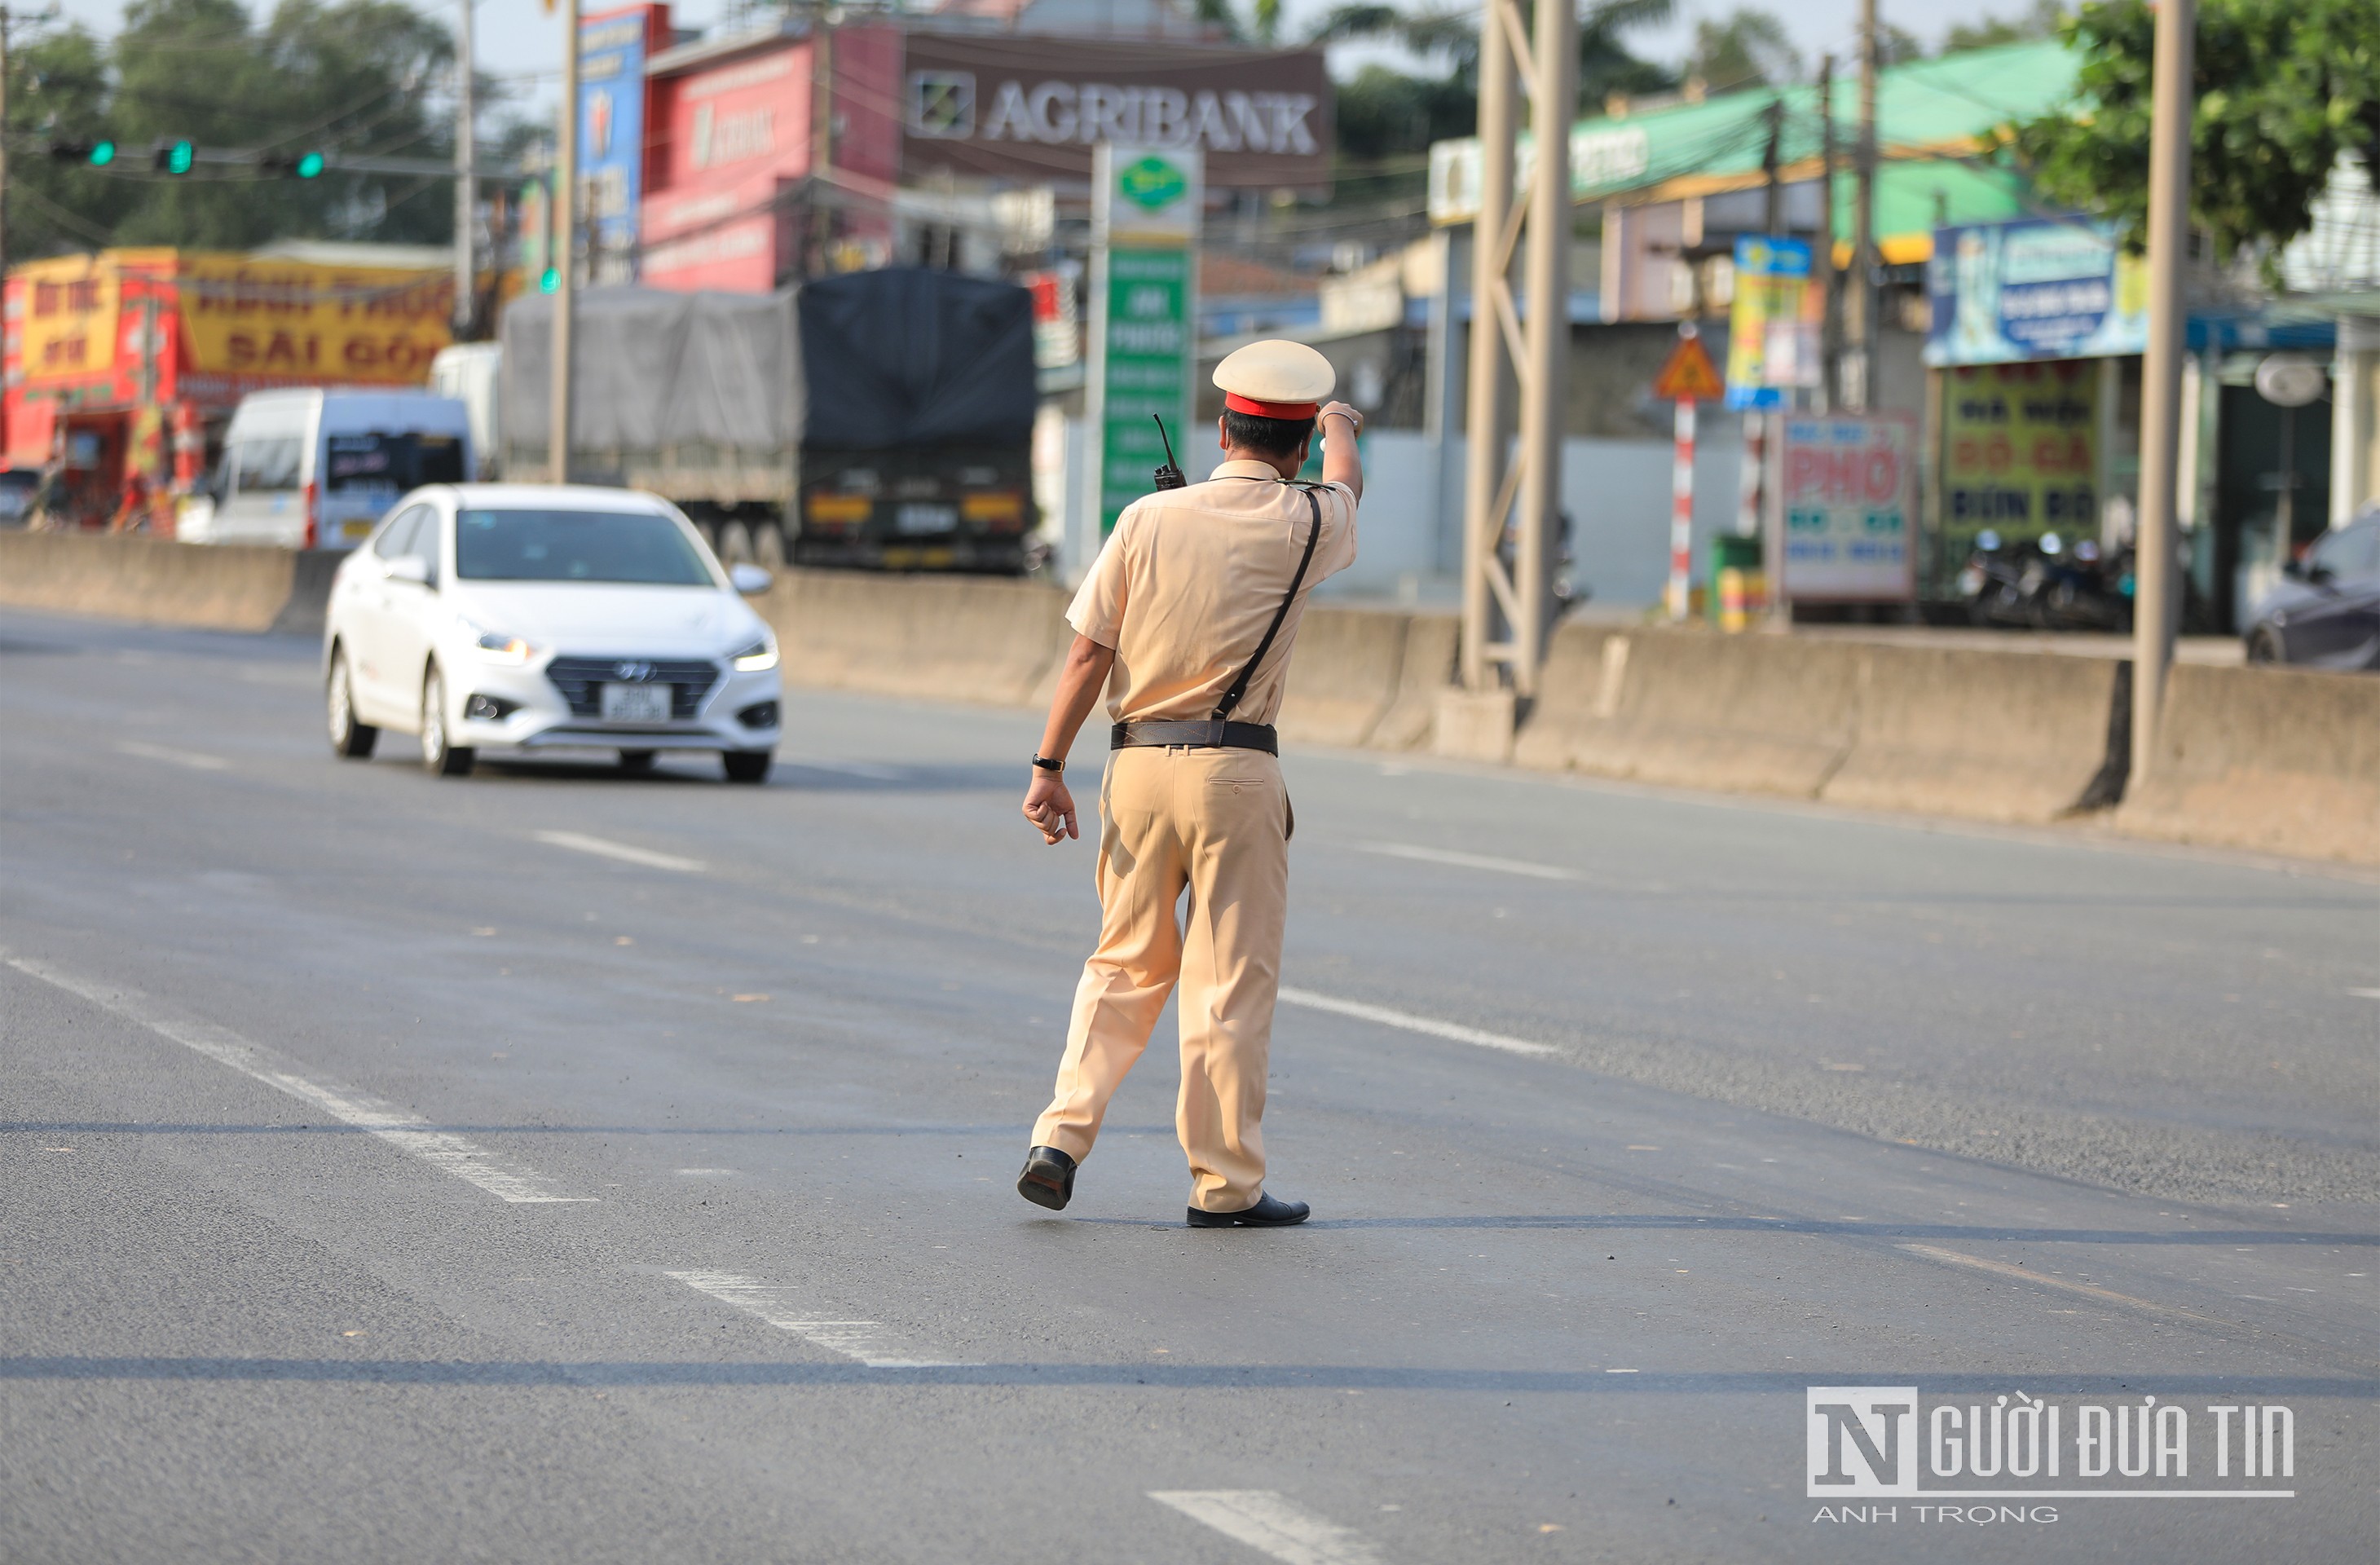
[1689,375]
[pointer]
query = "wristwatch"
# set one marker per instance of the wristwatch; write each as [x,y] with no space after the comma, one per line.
[1046,764]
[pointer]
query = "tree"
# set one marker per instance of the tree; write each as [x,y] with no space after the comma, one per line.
[2042,21]
[349,76]
[1749,49]
[2282,89]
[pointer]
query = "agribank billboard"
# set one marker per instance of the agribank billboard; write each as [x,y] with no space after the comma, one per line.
[1033,107]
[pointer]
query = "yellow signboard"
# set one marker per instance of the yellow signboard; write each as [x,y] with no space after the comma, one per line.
[275,321]
[68,324]
[2019,450]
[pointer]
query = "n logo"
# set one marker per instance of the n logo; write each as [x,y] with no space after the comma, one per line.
[1863,1440]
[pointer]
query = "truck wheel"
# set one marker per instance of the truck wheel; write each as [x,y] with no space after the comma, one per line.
[769,546]
[350,740]
[734,544]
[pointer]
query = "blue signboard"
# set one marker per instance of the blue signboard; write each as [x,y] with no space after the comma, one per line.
[2004,293]
[611,136]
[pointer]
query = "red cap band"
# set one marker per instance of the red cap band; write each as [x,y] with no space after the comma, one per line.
[1239,403]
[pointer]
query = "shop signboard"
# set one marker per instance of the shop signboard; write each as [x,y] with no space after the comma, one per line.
[250,324]
[1772,339]
[1033,108]
[1842,508]
[2006,293]
[612,46]
[1145,210]
[2020,451]
[66,330]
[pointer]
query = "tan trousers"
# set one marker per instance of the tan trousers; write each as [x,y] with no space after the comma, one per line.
[1217,823]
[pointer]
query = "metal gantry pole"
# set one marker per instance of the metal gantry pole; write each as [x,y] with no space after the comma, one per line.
[1491,307]
[467,190]
[566,230]
[1535,353]
[2158,587]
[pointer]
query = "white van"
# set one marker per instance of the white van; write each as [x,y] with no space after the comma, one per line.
[315,468]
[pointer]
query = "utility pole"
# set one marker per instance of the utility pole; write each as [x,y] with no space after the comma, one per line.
[1830,326]
[822,138]
[2157,595]
[4,19]
[1859,382]
[566,230]
[467,190]
[1772,208]
[1534,353]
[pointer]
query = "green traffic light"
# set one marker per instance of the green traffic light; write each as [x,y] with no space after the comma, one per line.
[179,155]
[550,281]
[101,153]
[310,166]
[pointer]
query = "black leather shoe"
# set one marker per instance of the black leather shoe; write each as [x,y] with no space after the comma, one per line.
[1049,1178]
[1268,1212]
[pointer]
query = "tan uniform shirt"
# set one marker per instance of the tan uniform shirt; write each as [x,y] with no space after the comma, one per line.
[1190,578]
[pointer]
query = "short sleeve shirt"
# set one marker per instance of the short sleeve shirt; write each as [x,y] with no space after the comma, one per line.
[1191,578]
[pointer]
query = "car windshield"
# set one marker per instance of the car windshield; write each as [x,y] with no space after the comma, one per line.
[615,546]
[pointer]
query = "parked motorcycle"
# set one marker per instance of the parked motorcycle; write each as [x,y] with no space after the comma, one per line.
[2042,584]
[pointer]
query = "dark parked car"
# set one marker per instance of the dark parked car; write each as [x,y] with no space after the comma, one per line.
[17,486]
[2327,613]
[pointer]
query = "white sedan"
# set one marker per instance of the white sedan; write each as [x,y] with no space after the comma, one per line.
[548,616]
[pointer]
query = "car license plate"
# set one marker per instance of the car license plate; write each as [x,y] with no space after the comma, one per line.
[911,519]
[636,703]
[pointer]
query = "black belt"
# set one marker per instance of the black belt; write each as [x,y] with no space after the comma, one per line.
[1197,733]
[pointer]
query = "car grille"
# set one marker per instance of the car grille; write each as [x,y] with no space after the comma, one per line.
[581,681]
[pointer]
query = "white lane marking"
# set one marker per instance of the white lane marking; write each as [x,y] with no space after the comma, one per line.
[1269,1525]
[2366,994]
[192,759]
[2026,1274]
[626,853]
[1412,1024]
[1471,861]
[857,1340]
[408,1132]
[868,769]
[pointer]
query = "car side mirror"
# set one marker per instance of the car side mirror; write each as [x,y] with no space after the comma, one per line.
[410,567]
[2296,570]
[749,581]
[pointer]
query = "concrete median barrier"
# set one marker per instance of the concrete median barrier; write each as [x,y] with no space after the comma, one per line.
[2279,760]
[153,580]
[2008,736]
[1757,714]
[952,638]
[1344,676]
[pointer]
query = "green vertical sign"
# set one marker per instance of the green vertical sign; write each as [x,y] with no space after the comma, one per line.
[1144,299]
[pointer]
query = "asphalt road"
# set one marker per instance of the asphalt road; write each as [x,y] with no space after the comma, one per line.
[556,1167]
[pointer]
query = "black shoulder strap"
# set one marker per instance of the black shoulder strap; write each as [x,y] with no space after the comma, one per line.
[1240,685]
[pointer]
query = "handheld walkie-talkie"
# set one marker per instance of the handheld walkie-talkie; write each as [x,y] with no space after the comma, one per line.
[1169,476]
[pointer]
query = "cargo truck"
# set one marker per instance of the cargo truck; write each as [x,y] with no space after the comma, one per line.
[878,419]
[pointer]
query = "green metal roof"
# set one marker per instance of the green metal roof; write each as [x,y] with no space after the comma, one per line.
[1928,112]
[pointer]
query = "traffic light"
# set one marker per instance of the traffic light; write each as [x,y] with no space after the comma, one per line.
[97,154]
[292,165]
[549,281]
[175,157]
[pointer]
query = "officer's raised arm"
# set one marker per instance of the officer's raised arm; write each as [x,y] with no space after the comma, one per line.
[1342,463]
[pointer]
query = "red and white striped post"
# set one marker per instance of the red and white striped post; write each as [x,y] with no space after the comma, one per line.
[1682,514]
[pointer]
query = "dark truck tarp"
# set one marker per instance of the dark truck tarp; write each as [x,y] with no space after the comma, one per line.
[889,359]
[911,358]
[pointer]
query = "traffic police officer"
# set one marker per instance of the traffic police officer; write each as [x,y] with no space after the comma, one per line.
[1188,618]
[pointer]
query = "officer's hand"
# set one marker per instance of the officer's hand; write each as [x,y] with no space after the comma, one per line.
[1050,808]
[1351,424]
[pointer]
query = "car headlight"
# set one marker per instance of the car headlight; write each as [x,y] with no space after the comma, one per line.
[495,647]
[757,658]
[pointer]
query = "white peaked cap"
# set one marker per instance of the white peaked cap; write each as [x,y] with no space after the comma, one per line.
[1276,380]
